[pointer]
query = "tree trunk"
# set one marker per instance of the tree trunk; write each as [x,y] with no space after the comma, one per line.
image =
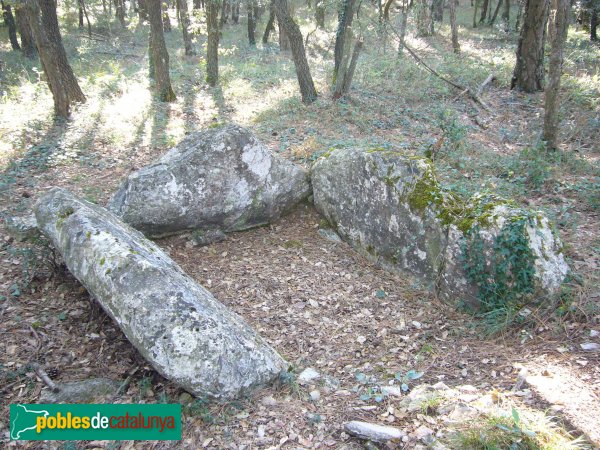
[251,8]
[528,75]
[493,18]
[235,12]
[453,26]
[212,46]
[80,12]
[198,4]
[484,10]
[320,13]
[438,10]
[270,24]
[9,20]
[158,50]
[43,20]
[519,15]
[224,13]
[184,20]
[551,116]
[120,12]
[142,11]
[166,20]
[506,15]
[402,19]
[424,18]
[24,28]
[284,42]
[345,18]
[346,70]
[475,13]
[594,25]
[307,87]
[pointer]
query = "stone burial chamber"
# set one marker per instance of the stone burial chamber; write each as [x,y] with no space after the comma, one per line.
[215,181]
[186,334]
[483,251]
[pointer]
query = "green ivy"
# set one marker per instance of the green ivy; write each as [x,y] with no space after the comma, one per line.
[508,279]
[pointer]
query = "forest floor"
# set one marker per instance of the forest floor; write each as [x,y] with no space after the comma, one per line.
[319,303]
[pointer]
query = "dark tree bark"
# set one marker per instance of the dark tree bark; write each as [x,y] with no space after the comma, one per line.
[235,12]
[594,25]
[346,15]
[166,19]
[251,8]
[142,11]
[528,75]
[475,13]
[453,26]
[184,20]
[43,20]
[120,11]
[212,47]
[24,28]
[424,18]
[224,12]
[9,20]
[484,10]
[284,42]
[386,9]
[438,10]
[402,19]
[198,4]
[551,116]
[270,24]
[346,72]
[80,13]
[519,15]
[307,86]
[493,18]
[506,15]
[320,13]
[159,53]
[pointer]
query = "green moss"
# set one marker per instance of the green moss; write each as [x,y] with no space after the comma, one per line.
[102,261]
[292,244]
[66,212]
[88,235]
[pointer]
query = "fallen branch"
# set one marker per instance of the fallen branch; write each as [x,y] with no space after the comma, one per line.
[44,377]
[474,96]
[491,77]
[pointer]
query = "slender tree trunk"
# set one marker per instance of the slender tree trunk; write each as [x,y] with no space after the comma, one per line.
[493,18]
[270,24]
[184,20]
[251,8]
[142,11]
[475,13]
[346,70]
[594,25]
[551,113]
[166,20]
[80,13]
[235,12]
[424,18]
[402,19]
[346,15]
[320,13]
[284,42]
[43,20]
[484,10]
[453,26]
[198,4]
[120,11]
[24,28]
[438,10]
[506,15]
[224,13]
[212,47]
[9,20]
[159,53]
[307,86]
[519,15]
[528,75]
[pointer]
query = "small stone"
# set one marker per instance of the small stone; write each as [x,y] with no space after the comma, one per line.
[307,375]
[330,235]
[440,386]
[594,333]
[315,395]
[590,346]
[373,432]
[416,324]
[361,339]
[261,431]
[392,391]
[185,398]
[467,388]
[268,401]
[313,303]
[22,228]
[424,434]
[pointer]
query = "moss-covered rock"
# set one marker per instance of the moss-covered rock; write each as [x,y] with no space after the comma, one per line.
[389,206]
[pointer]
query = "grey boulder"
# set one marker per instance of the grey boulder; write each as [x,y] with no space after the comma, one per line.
[389,206]
[222,178]
[177,325]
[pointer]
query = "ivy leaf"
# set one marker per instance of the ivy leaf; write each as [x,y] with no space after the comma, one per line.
[62,316]
[365,397]
[413,375]
[380,294]
[360,377]
[404,387]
